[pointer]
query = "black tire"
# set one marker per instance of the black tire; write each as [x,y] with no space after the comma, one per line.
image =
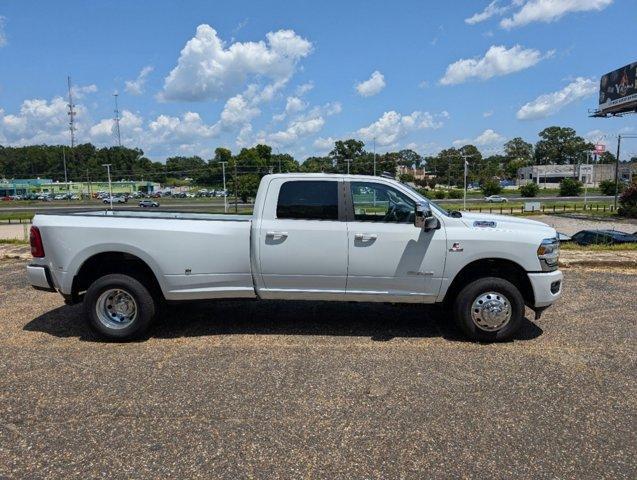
[145,307]
[463,304]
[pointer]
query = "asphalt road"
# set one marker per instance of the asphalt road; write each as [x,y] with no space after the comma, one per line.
[167,205]
[317,390]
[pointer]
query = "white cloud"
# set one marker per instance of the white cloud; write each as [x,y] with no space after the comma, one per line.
[207,69]
[136,87]
[487,114]
[40,122]
[304,124]
[550,10]
[3,36]
[488,137]
[130,125]
[550,103]
[238,111]
[304,88]
[392,126]
[371,86]
[80,91]
[497,61]
[489,11]
[324,145]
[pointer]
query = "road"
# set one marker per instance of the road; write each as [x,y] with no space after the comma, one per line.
[197,205]
[318,390]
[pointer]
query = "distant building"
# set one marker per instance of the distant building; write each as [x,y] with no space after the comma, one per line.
[418,173]
[591,175]
[22,186]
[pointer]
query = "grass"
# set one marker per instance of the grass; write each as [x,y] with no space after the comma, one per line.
[13,241]
[572,246]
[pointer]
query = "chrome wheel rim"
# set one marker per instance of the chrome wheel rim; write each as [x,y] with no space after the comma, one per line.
[116,308]
[491,311]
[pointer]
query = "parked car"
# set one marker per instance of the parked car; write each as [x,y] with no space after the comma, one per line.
[306,240]
[603,237]
[562,237]
[148,203]
[115,200]
[495,199]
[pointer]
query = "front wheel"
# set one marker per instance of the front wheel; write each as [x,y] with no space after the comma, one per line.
[489,309]
[119,307]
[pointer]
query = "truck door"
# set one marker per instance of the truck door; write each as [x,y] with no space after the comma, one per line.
[303,240]
[389,258]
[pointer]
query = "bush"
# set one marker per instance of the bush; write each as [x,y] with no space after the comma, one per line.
[628,202]
[424,192]
[570,187]
[491,187]
[607,187]
[455,193]
[439,194]
[529,190]
[406,177]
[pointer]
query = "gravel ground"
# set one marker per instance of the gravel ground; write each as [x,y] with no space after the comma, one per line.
[317,390]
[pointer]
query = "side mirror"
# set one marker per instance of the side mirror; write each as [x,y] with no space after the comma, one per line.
[424,218]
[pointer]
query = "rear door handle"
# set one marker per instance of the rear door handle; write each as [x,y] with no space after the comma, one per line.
[365,237]
[276,235]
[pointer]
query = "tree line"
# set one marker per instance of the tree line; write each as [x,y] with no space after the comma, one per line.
[556,145]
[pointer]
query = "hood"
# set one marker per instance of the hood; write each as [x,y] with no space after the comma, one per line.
[505,222]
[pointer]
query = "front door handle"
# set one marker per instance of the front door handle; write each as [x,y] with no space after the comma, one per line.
[277,235]
[365,237]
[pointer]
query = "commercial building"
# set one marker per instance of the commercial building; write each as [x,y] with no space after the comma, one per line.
[38,186]
[590,175]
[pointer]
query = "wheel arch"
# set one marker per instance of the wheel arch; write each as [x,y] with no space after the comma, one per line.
[492,267]
[108,262]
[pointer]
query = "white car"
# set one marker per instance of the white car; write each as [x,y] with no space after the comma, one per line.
[495,199]
[115,200]
[311,237]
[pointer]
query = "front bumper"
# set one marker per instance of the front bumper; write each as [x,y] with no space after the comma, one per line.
[40,278]
[547,287]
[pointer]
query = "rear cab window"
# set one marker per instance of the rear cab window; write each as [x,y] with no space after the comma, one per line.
[308,200]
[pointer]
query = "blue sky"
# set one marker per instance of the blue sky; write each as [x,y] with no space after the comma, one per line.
[194,75]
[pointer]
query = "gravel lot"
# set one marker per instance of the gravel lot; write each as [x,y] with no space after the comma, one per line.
[316,390]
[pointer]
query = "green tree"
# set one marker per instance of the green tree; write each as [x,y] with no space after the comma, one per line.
[491,187]
[606,157]
[530,189]
[561,145]
[570,187]
[628,202]
[518,149]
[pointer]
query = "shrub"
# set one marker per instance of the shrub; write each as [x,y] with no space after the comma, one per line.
[439,194]
[570,187]
[628,202]
[607,187]
[455,193]
[491,187]
[424,192]
[529,190]
[406,177]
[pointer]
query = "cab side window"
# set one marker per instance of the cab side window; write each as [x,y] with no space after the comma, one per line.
[375,202]
[308,200]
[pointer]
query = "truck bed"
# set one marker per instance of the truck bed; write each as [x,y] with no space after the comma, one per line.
[193,255]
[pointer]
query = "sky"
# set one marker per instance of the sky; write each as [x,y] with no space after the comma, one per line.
[298,75]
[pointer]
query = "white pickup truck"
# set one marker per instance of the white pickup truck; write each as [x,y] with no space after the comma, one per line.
[311,237]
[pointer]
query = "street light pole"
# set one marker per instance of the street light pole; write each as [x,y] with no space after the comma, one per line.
[619,141]
[110,185]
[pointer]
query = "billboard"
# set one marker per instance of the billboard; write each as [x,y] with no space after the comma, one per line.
[618,90]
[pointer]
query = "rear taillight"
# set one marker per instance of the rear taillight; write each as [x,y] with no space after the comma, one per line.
[37,249]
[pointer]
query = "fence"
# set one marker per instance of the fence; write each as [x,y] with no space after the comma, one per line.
[544,209]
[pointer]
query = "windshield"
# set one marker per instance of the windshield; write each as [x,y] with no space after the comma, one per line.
[433,204]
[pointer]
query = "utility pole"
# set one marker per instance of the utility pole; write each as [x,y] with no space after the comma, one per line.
[71,113]
[466,165]
[119,138]
[279,158]
[348,160]
[619,141]
[374,156]
[236,207]
[110,185]
[225,192]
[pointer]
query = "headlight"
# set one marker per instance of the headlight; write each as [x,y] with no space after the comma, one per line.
[549,253]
